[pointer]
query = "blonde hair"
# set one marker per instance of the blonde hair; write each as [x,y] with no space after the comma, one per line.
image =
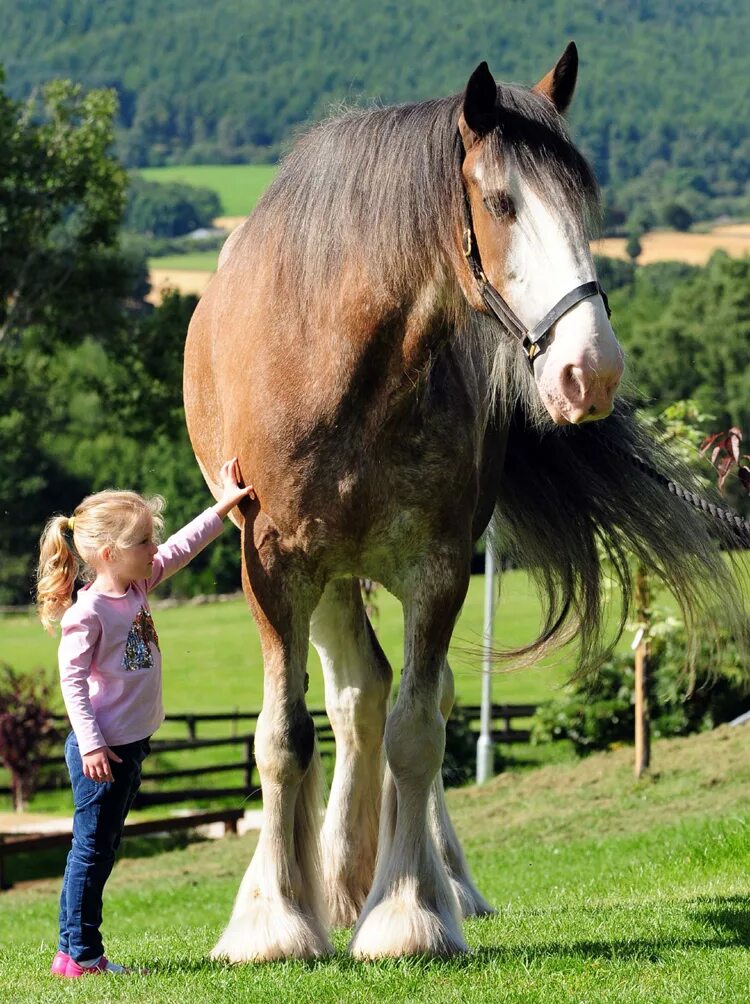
[111,519]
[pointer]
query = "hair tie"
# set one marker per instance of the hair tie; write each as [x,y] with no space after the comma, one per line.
[71,523]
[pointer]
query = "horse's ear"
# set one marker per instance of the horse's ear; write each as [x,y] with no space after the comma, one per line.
[560,82]
[480,101]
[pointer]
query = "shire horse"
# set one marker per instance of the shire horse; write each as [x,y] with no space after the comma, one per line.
[348,352]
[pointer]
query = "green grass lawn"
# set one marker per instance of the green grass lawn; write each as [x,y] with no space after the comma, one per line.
[239,186]
[607,891]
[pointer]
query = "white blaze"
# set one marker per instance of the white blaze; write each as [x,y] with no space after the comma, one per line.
[548,256]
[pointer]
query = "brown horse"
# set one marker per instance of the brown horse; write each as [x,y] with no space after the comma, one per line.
[346,353]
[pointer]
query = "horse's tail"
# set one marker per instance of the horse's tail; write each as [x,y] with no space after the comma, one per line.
[580,517]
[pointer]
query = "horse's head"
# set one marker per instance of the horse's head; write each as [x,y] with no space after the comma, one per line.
[529,192]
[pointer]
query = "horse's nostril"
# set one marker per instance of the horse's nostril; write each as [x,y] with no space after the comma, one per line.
[572,382]
[592,409]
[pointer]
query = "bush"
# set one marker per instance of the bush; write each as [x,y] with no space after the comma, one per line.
[27,729]
[600,714]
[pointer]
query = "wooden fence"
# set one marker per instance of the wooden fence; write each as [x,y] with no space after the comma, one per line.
[243,735]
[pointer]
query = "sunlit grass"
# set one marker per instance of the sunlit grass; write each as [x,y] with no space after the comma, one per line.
[607,891]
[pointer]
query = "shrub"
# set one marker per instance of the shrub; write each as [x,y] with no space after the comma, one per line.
[596,715]
[27,729]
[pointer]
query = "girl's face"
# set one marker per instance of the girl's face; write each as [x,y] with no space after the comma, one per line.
[137,561]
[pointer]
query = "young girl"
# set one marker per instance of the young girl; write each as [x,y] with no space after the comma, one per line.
[110,671]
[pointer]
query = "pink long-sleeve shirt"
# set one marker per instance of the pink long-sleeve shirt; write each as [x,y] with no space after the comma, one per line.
[110,663]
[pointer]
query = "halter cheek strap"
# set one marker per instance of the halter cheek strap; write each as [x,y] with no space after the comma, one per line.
[532,340]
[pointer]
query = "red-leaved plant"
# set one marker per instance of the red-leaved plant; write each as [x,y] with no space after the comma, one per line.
[27,729]
[723,450]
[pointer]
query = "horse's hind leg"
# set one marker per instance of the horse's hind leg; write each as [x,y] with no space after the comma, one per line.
[470,900]
[280,911]
[357,684]
[412,908]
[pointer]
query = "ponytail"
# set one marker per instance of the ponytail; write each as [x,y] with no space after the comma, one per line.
[56,574]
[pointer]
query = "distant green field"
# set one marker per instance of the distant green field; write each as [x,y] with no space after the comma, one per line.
[212,659]
[239,186]
[200,261]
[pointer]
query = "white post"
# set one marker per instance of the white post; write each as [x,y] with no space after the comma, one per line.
[485,746]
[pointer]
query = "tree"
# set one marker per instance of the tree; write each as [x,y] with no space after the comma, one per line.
[633,247]
[63,279]
[168,210]
[693,341]
[61,202]
[676,216]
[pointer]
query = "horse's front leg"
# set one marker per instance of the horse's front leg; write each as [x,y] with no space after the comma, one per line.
[412,907]
[357,683]
[280,910]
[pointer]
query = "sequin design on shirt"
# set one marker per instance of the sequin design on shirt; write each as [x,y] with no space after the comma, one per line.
[138,654]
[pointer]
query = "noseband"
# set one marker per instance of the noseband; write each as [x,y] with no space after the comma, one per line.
[532,340]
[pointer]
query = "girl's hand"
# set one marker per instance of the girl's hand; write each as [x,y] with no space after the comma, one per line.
[232,493]
[96,764]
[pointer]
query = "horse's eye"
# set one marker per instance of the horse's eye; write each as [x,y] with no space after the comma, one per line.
[500,205]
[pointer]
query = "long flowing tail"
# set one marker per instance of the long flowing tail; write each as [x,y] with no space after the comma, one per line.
[578,516]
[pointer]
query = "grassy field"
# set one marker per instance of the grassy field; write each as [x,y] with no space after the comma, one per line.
[607,892]
[239,186]
[199,261]
[212,663]
[212,659]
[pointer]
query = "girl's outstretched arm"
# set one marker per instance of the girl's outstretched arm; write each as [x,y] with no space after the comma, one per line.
[183,545]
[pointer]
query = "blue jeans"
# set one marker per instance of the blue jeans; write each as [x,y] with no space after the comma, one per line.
[100,811]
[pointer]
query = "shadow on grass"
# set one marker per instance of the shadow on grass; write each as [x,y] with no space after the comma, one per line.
[729,915]
[50,863]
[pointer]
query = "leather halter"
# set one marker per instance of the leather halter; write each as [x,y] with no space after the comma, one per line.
[532,340]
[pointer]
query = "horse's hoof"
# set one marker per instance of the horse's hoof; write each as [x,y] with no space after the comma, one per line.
[397,927]
[271,933]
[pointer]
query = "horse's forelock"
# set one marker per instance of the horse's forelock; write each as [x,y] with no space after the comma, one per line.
[531,135]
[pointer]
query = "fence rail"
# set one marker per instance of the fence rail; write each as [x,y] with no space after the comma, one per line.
[502,714]
[24,843]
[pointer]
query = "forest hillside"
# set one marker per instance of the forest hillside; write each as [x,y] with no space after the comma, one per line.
[662,108]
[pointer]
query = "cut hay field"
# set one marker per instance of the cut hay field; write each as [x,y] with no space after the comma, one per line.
[607,892]
[693,248]
[184,279]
